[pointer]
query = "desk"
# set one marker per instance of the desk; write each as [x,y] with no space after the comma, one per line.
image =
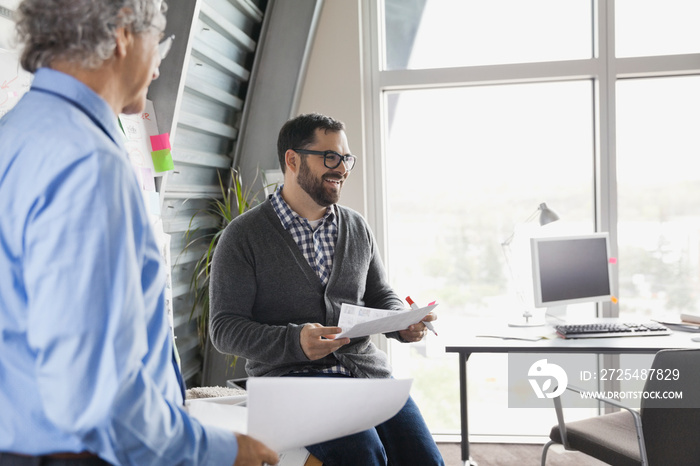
[624,345]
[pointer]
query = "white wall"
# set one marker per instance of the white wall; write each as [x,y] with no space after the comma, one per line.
[333,85]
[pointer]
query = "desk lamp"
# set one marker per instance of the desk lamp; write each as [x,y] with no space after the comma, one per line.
[546,215]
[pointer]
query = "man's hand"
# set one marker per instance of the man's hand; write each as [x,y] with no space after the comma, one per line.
[253,453]
[416,332]
[318,341]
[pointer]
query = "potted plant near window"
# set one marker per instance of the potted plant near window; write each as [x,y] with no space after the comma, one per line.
[235,199]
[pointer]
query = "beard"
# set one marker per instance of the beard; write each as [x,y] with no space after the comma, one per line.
[316,188]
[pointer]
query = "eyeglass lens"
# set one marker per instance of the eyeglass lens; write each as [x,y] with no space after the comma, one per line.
[164,46]
[332,160]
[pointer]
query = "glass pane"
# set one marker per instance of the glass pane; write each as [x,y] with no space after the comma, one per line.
[656,27]
[658,160]
[464,166]
[424,34]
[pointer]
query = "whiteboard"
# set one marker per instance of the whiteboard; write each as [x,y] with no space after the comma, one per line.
[14,81]
[7,27]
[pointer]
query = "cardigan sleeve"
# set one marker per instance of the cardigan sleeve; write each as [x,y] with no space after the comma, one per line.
[233,291]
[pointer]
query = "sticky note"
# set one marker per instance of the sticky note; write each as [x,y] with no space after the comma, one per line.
[613,299]
[162,160]
[613,260]
[160,142]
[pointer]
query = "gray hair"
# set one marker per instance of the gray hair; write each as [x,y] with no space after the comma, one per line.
[78,31]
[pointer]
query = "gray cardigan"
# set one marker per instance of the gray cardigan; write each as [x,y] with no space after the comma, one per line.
[262,292]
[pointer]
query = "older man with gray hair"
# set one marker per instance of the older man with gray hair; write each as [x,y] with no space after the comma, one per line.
[86,353]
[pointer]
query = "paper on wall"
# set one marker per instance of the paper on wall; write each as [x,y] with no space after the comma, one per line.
[137,130]
[14,81]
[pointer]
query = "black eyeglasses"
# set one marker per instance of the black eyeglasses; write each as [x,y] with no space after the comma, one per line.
[331,159]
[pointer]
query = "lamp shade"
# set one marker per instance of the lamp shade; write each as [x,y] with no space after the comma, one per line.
[547,215]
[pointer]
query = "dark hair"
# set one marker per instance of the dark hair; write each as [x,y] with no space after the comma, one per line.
[79,31]
[300,132]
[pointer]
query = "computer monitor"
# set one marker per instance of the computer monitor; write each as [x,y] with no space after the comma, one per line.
[571,269]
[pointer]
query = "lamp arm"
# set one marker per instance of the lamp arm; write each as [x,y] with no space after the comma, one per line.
[507,241]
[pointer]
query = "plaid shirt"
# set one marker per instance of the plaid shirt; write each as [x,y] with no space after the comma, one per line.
[317,246]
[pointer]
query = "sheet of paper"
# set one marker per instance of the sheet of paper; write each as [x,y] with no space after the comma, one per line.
[534,333]
[230,413]
[220,412]
[14,81]
[295,457]
[286,413]
[358,321]
[514,336]
[137,130]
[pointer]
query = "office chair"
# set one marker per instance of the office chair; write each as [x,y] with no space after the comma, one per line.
[662,432]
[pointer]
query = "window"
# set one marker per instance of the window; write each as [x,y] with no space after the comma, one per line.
[480,111]
[658,159]
[448,217]
[515,31]
[655,27]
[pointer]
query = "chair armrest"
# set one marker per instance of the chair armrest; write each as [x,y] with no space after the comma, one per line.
[595,396]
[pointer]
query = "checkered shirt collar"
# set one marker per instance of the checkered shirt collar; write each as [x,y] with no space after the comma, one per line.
[287,216]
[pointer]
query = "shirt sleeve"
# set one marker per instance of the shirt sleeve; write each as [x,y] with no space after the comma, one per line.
[102,346]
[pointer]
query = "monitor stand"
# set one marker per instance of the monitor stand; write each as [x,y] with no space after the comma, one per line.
[528,320]
[555,315]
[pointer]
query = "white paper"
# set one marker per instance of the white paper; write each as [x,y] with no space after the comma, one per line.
[286,413]
[229,412]
[14,81]
[138,128]
[295,457]
[225,412]
[358,321]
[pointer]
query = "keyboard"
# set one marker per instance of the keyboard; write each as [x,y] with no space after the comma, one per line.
[611,329]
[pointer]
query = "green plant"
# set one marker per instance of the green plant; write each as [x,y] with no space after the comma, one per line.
[234,200]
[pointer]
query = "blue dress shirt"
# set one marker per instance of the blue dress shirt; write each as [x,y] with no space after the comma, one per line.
[85,344]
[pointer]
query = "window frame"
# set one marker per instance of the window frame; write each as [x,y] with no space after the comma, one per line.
[604,69]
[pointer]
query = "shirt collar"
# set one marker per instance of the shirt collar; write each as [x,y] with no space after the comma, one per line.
[287,215]
[79,94]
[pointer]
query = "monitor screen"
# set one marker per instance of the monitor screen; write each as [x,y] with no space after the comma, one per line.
[571,269]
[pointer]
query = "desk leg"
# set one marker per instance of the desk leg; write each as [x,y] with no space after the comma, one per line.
[463,358]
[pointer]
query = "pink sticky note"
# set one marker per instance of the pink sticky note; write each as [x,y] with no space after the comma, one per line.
[160,142]
[613,260]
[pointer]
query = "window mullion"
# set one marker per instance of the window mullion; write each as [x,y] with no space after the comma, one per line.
[605,173]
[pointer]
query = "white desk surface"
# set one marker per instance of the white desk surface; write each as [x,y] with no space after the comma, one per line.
[472,340]
[488,336]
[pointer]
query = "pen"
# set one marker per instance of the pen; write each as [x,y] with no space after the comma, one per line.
[413,305]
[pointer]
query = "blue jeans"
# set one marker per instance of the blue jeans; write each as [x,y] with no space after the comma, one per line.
[403,440]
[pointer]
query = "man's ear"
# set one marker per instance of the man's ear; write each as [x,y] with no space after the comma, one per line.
[291,159]
[123,37]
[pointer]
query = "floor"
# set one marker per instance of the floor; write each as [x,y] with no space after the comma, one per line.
[498,454]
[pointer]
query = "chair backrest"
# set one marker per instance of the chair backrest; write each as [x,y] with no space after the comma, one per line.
[672,423]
